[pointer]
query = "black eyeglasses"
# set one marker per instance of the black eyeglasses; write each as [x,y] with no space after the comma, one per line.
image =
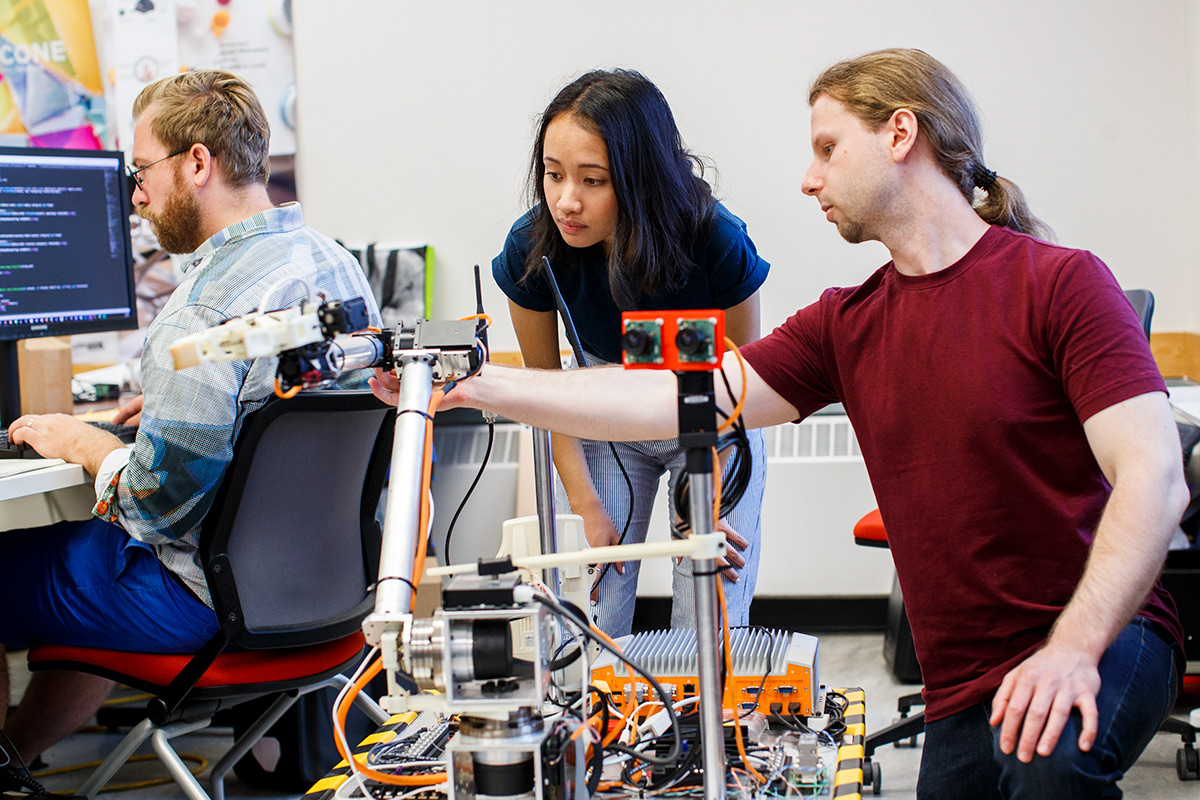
[135,175]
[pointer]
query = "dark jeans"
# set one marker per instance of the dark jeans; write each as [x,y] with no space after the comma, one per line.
[1138,685]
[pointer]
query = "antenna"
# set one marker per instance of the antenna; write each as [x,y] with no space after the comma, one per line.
[480,323]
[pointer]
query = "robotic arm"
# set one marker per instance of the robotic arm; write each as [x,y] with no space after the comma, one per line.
[465,651]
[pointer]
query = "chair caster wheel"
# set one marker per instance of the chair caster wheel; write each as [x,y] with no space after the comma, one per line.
[911,741]
[1187,763]
[872,776]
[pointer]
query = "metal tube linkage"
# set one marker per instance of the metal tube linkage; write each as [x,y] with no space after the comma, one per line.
[704,577]
[543,473]
[393,596]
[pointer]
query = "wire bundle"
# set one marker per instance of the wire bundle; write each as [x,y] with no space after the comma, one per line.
[738,468]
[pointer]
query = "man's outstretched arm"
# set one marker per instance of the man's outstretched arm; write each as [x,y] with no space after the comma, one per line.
[600,403]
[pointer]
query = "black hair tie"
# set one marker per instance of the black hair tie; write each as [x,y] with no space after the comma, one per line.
[984,178]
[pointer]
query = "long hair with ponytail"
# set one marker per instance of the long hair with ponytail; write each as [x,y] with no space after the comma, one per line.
[875,85]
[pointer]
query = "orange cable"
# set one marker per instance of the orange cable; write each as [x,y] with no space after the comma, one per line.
[289,394]
[483,317]
[737,723]
[375,775]
[717,485]
[737,409]
[585,726]
[435,400]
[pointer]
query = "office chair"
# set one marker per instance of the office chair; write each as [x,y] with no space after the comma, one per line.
[898,648]
[290,550]
[1142,301]
[1179,573]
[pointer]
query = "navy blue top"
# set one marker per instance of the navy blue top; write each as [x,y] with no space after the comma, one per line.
[728,271]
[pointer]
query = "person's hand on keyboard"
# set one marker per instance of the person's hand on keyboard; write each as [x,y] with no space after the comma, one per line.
[63,436]
[131,412]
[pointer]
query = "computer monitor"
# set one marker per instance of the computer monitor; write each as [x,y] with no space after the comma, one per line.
[66,265]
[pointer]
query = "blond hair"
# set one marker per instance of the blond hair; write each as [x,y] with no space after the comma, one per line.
[876,85]
[216,109]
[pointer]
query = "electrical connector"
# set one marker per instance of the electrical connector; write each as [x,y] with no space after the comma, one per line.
[655,724]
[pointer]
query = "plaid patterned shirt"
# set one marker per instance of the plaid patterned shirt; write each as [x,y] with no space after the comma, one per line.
[192,417]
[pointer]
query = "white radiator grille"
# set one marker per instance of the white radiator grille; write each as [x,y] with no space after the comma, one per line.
[466,444]
[460,450]
[816,438]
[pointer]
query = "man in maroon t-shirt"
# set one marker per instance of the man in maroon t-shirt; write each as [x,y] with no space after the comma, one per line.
[1015,427]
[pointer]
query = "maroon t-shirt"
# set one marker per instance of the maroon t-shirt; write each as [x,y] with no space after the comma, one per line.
[968,390]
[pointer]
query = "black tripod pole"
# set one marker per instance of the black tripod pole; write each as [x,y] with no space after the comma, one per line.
[698,436]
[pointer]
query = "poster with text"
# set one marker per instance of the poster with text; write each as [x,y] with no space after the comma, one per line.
[51,93]
[145,48]
[252,39]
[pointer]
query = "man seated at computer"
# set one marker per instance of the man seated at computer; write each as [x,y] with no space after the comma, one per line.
[129,578]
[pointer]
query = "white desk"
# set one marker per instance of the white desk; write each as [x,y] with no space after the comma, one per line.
[38,481]
[44,496]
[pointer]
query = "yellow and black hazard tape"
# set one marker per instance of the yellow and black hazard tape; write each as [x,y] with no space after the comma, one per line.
[847,781]
[326,788]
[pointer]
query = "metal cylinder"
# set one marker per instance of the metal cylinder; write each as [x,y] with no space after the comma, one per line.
[423,655]
[440,651]
[356,352]
[543,473]
[712,737]
[502,754]
[393,595]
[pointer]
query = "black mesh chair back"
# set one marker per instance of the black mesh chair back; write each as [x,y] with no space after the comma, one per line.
[291,546]
[1142,301]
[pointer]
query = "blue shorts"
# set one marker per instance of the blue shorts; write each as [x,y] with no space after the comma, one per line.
[89,584]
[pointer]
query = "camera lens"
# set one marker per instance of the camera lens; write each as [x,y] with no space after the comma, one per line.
[636,342]
[690,341]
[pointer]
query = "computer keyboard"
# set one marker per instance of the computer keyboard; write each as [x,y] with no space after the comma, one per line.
[15,450]
[126,433]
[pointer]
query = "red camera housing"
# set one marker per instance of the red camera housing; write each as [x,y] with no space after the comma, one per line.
[682,341]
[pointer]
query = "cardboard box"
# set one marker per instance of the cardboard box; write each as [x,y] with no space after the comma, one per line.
[429,593]
[94,350]
[45,369]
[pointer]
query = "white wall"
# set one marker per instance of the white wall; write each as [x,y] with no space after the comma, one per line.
[416,120]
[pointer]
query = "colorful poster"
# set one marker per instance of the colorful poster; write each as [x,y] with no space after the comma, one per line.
[50,88]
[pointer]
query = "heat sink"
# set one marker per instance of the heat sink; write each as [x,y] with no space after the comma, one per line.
[773,670]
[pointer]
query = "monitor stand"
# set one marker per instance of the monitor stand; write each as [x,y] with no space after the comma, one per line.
[10,383]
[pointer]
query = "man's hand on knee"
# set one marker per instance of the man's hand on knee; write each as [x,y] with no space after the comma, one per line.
[1035,700]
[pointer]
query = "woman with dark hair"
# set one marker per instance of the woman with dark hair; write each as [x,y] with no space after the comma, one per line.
[626,220]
